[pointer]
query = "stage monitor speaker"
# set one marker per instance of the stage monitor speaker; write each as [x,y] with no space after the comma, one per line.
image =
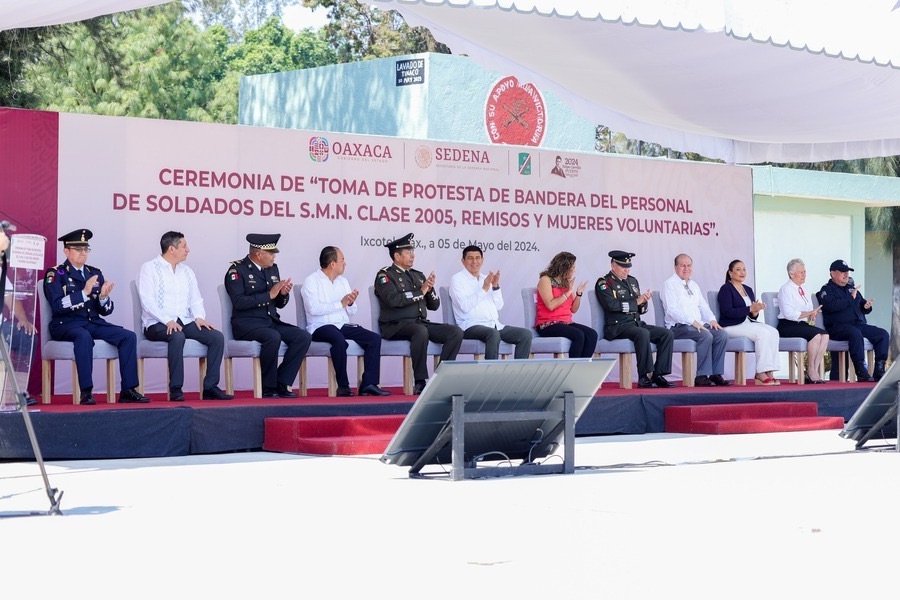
[876,417]
[503,404]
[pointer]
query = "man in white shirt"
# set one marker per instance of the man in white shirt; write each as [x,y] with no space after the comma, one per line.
[689,317]
[172,312]
[477,300]
[329,303]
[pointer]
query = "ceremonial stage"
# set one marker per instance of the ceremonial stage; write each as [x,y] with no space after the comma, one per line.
[162,428]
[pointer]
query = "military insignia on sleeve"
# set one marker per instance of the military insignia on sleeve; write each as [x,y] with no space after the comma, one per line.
[233,275]
[383,279]
[602,285]
[49,277]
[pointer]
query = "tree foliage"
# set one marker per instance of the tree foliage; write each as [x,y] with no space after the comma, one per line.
[358,32]
[156,62]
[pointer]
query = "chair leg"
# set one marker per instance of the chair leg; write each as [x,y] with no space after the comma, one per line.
[257,378]
[332,380]
[625,370]
[76,391]
[111,381]
[360,367]
[202,367]
[407,376]
[140,365]
[740,374]
[229,376]
[302,389]
[46,386]
[794,363]
[687,369]
[842,366]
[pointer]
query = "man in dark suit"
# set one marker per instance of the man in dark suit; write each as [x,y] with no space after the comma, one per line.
[257,291]
[405,296]
[79,298]
[844,309]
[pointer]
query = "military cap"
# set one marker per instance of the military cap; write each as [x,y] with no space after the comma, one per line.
[840,265]
[264,241]
[623,259]
[79,237]
[400,243]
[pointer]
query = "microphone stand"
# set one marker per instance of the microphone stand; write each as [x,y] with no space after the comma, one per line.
[54,495]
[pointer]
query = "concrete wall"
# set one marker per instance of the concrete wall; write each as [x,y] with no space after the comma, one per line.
[363,97]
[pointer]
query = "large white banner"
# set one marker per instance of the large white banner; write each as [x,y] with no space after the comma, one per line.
[131,180]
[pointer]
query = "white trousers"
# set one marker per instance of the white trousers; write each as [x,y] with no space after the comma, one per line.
[765,339]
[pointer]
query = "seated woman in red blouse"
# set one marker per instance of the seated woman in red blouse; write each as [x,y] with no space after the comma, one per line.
[557,300]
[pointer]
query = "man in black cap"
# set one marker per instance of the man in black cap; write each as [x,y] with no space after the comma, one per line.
[79,299]
[405,296]
[844,309]
[257,291]
[623,304]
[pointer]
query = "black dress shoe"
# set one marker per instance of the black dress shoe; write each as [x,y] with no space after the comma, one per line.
[418,388]
[270,393]
[214,393]
[285,391]
[344,391]
[662,382]
[87,399]
[30,401]
[719,380]
[176,395]
[373,390]
[132,396]
[645,382]
[702,381]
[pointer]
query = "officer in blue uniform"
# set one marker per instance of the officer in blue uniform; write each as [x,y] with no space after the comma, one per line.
[623,304]
[79,299]
[257,292]
[405,296]
[844,309]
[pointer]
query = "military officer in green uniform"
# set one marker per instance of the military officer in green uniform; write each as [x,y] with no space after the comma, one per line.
[623,303]
[405,296]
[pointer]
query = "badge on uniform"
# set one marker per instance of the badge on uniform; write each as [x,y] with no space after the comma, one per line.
[602,286]
[234,275]
[49,278]
[408,294]
[383,279]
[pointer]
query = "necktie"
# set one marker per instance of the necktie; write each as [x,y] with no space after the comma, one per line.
[802,293]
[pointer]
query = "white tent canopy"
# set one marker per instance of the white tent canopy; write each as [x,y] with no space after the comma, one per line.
[36,13]
[742,80]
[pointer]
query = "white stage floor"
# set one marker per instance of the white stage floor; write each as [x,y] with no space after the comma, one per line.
[781,515]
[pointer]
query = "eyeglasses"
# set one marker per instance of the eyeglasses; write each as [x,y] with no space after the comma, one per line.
[80,249]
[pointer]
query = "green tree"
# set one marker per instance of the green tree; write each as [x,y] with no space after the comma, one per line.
[18,48]
[148,63]
[357,32]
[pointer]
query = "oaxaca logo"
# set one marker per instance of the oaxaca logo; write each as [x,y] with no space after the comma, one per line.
[361,150]
[514,113]
[318,149]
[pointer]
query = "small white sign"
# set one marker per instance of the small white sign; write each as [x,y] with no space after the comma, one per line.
[26,251]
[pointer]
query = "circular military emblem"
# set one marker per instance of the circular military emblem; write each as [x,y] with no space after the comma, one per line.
[514,113]
[423,156]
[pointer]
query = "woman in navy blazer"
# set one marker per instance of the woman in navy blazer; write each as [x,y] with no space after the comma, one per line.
[738,314]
